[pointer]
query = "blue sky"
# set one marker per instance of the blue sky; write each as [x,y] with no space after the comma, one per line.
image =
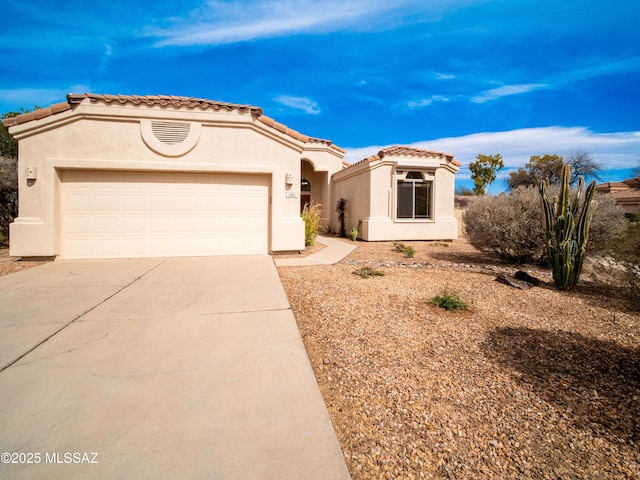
[515,77]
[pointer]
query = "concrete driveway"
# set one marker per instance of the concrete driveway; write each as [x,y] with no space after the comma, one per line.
[158,368]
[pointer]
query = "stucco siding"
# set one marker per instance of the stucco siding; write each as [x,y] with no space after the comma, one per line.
[124,138]
[375,179]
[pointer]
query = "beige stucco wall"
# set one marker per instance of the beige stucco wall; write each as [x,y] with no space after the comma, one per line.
[375,181]
[98,136]
[355,188]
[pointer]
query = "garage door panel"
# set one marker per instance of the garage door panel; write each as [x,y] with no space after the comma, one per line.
[126,214]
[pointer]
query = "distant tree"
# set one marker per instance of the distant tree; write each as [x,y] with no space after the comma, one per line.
[8,176]
[548,167]
[484,170]
[464,191]
[8,144]
[583,163]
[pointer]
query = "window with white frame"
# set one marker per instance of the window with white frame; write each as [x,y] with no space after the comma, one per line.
[413,196]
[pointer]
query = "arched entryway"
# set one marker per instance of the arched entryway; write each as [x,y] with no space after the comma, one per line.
[314,187]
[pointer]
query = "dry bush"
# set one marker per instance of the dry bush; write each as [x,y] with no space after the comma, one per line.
[8,195]
[312,218]
[510,225]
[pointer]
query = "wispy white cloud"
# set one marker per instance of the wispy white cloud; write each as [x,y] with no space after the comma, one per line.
[616,150]
[219,22]
[444,76]
[299,103]
[596,68]
[505,91]
[425,102]
[562,79]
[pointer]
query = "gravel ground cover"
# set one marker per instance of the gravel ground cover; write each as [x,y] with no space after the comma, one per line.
[525,384]
[13,264]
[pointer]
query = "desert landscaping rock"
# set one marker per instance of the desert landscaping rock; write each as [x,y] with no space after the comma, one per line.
[541,384]
[537,384]
[14,264]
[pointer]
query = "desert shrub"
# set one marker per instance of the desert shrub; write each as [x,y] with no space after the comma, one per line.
[312,217]
[367,272]
[408,252]
[8,195]
[341,209]
[510,225]
[449,302]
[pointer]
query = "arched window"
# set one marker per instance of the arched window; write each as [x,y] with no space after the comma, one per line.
[413,197]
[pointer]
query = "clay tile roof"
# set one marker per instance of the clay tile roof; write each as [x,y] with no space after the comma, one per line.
[74,99]
[626,194]
[36,114]
[609,186]
[163,101]
[407,151]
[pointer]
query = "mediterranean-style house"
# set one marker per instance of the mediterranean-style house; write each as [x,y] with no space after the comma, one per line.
[626,194]
[108,176]
[401,193]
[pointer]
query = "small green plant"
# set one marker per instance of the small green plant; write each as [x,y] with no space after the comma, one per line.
[355,230]
[341,208]
[367,272]
[312,216]
[408,252]
[449,302]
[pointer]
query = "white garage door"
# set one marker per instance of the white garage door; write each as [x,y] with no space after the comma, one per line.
[151,214]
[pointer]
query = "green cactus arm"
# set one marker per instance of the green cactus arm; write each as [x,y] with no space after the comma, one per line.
[564,190]
[586,213]
[567,234]
[576,204]
[547,217]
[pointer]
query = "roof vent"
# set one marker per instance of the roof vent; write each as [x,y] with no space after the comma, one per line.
[170,139]
[170,133]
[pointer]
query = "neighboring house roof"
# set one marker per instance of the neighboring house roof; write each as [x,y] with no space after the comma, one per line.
[402,151]
[611,187]
[73,100]
[626,194]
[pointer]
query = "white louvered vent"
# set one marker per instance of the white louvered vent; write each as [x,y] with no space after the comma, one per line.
[170,133]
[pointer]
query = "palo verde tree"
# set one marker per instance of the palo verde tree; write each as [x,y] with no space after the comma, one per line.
[484,170]
[566,225]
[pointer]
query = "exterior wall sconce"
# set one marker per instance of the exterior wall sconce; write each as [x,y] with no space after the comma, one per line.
[30,173]
[289,179]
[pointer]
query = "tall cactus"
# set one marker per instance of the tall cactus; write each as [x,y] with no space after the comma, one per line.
[566,225]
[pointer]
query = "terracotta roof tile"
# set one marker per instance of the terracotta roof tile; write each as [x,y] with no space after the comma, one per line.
[407,151]
[73,100]
[626,194]
[611,187]
[36,114]
[163,101]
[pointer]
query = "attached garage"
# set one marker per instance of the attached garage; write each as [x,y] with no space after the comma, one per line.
[123,176]
[115,214]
